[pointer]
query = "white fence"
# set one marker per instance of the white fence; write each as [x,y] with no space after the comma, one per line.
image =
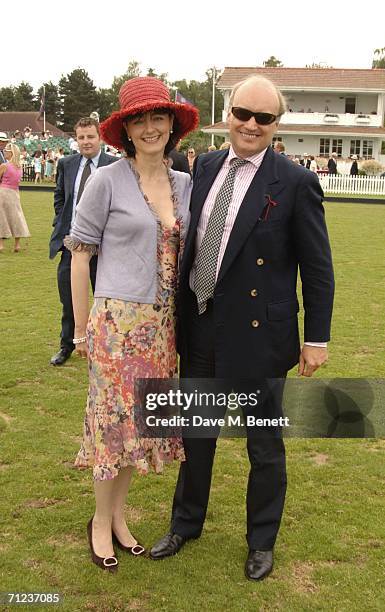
[365,185]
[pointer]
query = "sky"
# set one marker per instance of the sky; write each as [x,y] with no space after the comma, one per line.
[182,38]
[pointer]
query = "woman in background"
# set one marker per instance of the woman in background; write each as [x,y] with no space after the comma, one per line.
[12,220]
[191,158]
[37,164]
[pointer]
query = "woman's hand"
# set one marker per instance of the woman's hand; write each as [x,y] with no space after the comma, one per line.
[82,349]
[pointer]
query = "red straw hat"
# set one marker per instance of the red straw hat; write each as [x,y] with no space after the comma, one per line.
[143,94]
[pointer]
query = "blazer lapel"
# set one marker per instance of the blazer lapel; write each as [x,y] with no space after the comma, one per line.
[251,209]
[73,171]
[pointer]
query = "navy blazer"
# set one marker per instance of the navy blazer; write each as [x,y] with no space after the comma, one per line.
[280,228]
[67,170]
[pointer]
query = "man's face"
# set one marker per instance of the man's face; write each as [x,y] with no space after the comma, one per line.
[88,140]
[249,137]
[2,144]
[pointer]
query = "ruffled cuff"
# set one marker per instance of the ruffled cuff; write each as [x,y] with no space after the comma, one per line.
[74,244]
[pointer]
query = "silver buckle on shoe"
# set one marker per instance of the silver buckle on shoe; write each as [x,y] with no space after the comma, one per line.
[107,559]
[137,549]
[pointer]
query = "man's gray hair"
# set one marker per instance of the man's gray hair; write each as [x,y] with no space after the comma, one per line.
[260,80]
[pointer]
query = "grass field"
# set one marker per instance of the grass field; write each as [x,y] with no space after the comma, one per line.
[330,551]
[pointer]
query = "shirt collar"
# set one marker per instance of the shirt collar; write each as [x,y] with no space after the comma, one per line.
[95,160]
[256,159]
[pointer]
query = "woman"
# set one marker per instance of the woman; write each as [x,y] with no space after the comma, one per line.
[12,220]
[37,165]
[354,166]
[49,165]
[313,164]
[134,212]
[191,158]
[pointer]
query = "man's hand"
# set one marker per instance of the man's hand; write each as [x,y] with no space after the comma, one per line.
[310,359]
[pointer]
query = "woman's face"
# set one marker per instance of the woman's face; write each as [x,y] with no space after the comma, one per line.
[150,132]
[191,152]
[7,153]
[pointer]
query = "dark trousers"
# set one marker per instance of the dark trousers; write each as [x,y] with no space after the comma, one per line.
[64,286]
[266,487]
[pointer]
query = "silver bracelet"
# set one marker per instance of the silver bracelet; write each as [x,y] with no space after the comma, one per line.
[79,340]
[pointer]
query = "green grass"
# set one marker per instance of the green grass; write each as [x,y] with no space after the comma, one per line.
[356,196]
[330,553]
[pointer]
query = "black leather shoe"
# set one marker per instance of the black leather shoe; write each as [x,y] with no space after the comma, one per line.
[169,545]
[259,564]
[61,357]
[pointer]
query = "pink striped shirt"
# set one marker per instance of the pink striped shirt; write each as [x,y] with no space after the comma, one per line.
[243,178]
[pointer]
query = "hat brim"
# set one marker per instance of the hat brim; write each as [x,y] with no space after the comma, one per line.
[186,115]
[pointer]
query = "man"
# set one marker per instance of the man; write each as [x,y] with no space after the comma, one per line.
[332,164]
[179,161]
[306,161]
[3,141]
[72,173]
[279,147]
[255,218]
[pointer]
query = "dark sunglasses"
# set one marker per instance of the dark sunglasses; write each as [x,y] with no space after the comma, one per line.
[243,114]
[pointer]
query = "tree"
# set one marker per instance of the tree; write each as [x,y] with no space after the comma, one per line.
[133,70]
[107,102]
[23,97]
[272,62]
[379,58]
[163,76]
[78,97]
[7,99]
[318,65]
[200,94]
[52,102]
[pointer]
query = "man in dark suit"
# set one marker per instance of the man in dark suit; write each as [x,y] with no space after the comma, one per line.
[179,161]
[255,219]
[72,173]
[332,164]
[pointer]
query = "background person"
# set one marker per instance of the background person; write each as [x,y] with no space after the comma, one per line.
[332,163]
[12,220]
[179,161]
[3,141]
[191,158]
[279,147]
[354,166]
[136,212]
[313,164]
[38,165]
[72,173]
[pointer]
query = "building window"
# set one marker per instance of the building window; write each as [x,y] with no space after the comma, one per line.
[383,147]
[350,105]
[367,149]
[300,139]
[324,147]
[355,147]
[337,146]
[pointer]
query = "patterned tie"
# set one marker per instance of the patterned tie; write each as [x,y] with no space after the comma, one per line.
[85,174]
[207,258]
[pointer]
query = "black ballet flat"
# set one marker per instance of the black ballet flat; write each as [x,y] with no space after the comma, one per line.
[106,563]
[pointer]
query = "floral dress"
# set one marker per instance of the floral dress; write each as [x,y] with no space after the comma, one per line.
[126,341]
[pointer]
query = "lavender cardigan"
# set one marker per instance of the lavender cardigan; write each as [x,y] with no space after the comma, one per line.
[114,215]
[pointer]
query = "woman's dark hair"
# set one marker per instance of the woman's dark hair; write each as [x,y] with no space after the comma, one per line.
[128,145]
